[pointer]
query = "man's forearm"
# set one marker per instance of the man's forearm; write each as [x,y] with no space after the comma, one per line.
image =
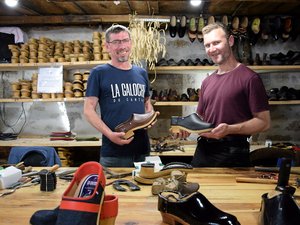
[95,121]
[252,126]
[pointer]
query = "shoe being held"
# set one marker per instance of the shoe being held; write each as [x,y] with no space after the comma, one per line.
[135,122]
[191,123]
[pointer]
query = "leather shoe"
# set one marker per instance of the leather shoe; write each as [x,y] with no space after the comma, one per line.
[173,184]
[173,26]
[135,122]
[182,27]
[192,29]
[279,209]
[191,123]
[194,209]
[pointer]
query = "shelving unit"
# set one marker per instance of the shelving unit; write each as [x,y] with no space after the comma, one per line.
[189,69]
[34,66]
[159,70]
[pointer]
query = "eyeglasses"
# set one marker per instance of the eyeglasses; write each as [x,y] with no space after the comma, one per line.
[118,42]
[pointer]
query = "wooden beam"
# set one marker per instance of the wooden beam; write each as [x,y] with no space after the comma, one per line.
[70,19]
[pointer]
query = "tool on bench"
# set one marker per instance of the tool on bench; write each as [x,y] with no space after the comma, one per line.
[110,174]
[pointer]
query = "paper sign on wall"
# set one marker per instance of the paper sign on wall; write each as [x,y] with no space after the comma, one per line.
[50,80]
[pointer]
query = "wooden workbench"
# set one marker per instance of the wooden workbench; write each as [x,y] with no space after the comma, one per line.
[217,184]
[188,148]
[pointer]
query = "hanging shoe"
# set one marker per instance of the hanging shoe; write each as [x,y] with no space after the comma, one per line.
[191,123]
[243,25]
[275,25]
[225,20]
[182,27]
[211,20]
[265,29]
[135,122]
[201,24]
[193,209]
[235,25]
[192,29]
[255,26]
[287,28]
[173,26]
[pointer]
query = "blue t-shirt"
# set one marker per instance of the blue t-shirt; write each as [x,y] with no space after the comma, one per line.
[121,93]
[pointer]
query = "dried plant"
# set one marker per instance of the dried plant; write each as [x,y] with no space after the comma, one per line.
[148,41]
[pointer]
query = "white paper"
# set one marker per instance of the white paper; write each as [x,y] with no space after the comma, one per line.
[50,80]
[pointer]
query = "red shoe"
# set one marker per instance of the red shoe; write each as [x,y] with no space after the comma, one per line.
[109,210]
[82,201]
[108,215]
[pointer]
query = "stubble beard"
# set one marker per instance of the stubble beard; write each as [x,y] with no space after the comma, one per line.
[123,59]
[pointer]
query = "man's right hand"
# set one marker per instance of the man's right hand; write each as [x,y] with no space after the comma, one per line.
[182,134]
[118,138]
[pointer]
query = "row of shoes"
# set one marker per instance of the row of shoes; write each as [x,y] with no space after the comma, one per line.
[290,58]
[182,62]
[262,27]
[172,95]
[283,94]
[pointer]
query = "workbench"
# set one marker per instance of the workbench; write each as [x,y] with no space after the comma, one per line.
[188,147]
[140,207]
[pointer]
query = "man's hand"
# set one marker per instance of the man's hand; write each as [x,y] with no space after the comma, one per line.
[118,138]
[218,132]
[182,134]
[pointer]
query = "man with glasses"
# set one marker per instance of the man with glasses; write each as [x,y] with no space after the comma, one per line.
[121,89]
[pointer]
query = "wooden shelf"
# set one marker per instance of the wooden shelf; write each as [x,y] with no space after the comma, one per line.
[47,142]
[14,100]
[194,69]
[288,102]
[159,69]
[34,66]
[167,103]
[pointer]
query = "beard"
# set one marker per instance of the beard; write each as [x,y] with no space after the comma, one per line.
[123,59]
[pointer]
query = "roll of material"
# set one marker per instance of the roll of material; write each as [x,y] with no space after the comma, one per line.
[9,176]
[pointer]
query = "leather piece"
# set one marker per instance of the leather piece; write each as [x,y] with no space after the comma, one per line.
[194,209]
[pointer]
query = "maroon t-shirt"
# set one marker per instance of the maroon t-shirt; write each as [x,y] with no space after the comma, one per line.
[232,97]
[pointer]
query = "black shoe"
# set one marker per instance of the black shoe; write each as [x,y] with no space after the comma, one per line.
[194,209]
[191,123]
[173,26]
[184,97]
[279,209]
[182,27]
[273,94]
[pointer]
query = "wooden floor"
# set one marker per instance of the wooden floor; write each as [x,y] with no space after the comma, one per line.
[217,184]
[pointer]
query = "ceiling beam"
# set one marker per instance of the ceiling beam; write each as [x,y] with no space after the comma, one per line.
[72,20]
